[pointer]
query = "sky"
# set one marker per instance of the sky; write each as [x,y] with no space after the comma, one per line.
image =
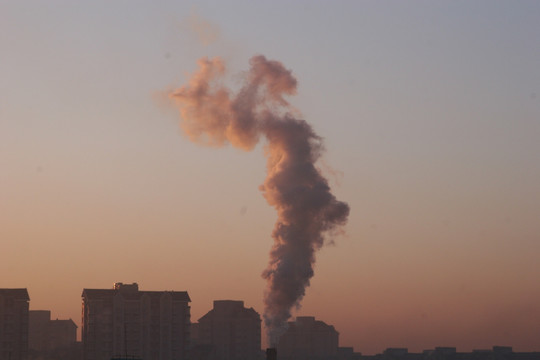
[430,114]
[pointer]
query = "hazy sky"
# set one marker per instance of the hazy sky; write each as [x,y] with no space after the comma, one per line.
[430,111]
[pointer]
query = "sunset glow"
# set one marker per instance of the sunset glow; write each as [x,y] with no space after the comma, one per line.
[421,117]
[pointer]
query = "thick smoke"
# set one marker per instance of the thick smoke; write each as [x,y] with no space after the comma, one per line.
[307,210]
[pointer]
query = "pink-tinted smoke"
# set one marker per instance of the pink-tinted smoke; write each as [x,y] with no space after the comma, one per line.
[308,213]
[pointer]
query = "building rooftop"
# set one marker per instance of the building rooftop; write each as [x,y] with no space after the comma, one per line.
[230,308]
[309,322]
[63,322]
[19,294]
[92,294]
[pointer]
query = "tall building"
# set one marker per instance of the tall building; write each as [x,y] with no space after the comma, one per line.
[308,339]
[126,322]
[232,331]
[14,305]
[46,335]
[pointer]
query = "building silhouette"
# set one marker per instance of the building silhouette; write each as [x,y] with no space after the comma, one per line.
[46,336]
[229,331]
[14,304]
[348,353]
[450,353]
[124,322]
[308,339]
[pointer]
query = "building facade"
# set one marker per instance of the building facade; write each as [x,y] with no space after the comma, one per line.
[126,322]
[229,332]
[14,305]
[308,339]
[46,335]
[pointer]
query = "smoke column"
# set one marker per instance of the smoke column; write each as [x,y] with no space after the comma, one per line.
[308,213]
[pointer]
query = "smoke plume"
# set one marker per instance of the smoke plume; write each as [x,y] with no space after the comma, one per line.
[308,213]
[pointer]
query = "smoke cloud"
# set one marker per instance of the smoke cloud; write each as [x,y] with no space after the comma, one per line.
[205,32]
[308,213]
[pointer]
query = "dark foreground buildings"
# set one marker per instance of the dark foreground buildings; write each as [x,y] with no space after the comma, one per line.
[125,322]
[450,353]
[308,339]
[14,305]
[229,331]
[439,353]
[46,335]
[311,339]
[52,339]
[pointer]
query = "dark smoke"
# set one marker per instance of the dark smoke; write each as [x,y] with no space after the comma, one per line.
[307,211]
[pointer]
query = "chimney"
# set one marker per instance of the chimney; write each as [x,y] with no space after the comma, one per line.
[271,354]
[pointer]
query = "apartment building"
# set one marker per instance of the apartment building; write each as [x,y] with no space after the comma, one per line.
[14,305]
[230,331]
[126,322]
[308,339]
[47,335]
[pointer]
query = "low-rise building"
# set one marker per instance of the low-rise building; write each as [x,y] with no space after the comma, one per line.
[229,331]
[45,335]
[308,339]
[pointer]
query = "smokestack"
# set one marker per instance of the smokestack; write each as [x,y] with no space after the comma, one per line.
[309,215]
[271,354]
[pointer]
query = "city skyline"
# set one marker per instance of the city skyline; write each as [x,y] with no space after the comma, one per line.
[232,305]
[429,114]
[152,324]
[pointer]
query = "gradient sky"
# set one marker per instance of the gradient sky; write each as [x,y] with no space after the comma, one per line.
[430,112]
